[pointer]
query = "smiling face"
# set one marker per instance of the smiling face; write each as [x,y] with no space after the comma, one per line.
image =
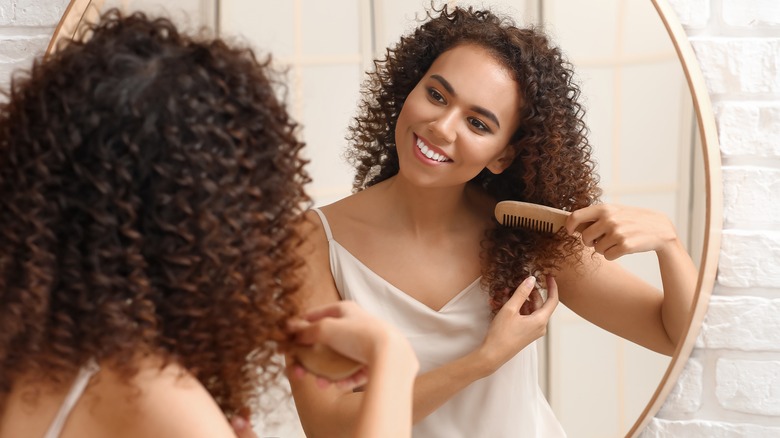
[459,119]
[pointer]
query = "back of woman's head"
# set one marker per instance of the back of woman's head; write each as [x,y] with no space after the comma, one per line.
[148,185]
[552,164]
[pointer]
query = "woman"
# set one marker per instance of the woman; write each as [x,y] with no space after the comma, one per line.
[150,185]
[466,111]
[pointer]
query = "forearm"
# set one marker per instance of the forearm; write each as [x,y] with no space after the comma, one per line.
[386,410]
[340,416]
[679,276]
[434,388]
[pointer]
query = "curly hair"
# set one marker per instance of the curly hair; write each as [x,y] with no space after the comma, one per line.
[552,164]
[150,188]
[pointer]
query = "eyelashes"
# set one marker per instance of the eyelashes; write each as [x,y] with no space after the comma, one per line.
[474,122]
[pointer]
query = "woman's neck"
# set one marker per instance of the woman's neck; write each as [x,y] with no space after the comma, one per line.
[427,210]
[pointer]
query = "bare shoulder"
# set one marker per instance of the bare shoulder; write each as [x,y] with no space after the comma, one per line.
[317,284]
[362,214]
[166,402]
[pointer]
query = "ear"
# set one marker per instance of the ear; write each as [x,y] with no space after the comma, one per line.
[500,163]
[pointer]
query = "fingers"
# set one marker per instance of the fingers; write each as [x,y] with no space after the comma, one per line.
[521,294]
[552,297]
[593,233]
[582,219]
[241,427]
[334,310]
[533,303]
[535,298]
[302,326]
[310,333]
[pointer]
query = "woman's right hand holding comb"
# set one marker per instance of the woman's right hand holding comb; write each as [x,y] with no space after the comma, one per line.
[617,230]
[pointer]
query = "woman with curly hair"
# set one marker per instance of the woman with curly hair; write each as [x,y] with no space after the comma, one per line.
[151,187]
[466,111]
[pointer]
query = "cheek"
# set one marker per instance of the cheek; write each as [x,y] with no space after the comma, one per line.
[482,151]
[416,105]
[404,117]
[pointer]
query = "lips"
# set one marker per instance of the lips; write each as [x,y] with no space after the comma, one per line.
[429,152]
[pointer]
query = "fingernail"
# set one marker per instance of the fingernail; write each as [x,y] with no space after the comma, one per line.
[238,423]
[531,280]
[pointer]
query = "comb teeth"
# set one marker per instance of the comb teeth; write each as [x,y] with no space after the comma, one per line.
[510,220]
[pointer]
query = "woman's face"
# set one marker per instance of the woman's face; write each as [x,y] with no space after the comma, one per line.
[459,119]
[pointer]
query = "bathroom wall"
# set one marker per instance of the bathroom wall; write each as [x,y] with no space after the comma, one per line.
[25,29]
[731,384]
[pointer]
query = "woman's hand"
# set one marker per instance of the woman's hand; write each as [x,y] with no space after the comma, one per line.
[349,330]
[522,320]
[615,230]
[242,427]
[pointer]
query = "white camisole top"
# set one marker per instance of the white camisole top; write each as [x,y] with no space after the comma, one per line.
[506,404]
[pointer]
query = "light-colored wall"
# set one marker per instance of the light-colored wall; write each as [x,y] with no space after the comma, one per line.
[25,29]
[731,385]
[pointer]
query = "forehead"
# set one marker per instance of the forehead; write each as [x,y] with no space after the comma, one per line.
[479,78]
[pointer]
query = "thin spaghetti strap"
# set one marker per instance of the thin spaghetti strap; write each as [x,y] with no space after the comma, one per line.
[79,385]
[325,223]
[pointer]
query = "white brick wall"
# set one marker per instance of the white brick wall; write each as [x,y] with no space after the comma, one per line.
[731,385]
[25,29]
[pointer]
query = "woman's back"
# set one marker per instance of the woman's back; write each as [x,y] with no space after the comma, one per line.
[150,183]
[166,402]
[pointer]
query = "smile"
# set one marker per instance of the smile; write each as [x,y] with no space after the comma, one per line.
[428,152]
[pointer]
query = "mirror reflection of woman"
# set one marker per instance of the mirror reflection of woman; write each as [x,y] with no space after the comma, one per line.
[150,183]
[465,111]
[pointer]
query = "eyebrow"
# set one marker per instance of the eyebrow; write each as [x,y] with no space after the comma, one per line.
[478,109]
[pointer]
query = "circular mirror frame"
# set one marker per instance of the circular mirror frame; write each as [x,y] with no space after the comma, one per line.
[713,217]
[79,12]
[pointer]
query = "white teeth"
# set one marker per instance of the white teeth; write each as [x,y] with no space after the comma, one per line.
[430,153]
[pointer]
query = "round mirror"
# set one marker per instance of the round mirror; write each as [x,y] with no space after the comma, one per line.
[651,125]
[648,148]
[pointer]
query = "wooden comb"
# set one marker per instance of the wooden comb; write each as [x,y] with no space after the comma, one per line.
[323,361]
[517,214]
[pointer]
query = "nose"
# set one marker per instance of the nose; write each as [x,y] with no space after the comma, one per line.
[444,127]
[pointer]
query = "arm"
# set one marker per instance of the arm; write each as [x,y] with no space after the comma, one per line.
[612,298]
[332,411]
[386,406]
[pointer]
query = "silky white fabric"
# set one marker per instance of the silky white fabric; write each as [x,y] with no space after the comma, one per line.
[506,404]
[76,390]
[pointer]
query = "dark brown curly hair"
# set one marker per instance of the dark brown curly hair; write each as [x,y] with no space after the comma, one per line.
[150,185]
[552,164]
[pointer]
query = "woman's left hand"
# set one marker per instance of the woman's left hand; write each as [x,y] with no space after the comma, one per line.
[615,230]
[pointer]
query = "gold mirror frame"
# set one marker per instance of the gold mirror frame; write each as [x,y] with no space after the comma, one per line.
[713,216]
[79,12]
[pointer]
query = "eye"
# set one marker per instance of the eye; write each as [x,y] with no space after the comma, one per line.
[435,95]
[478,124]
